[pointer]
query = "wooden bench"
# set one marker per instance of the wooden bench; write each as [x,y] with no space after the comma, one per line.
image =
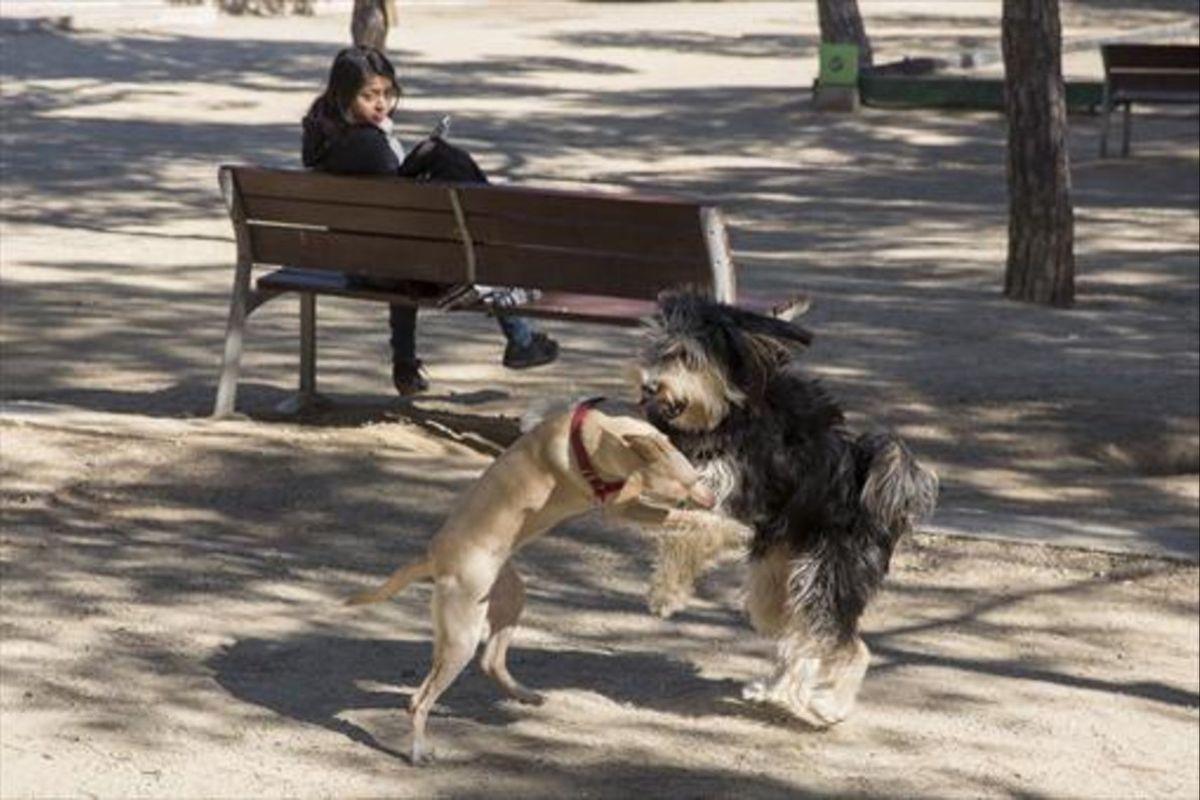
[1146,73]
[596,257]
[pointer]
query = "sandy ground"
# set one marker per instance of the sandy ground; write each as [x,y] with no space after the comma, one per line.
[170,584]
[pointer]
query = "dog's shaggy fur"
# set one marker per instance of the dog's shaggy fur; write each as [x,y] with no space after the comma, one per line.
[820,508]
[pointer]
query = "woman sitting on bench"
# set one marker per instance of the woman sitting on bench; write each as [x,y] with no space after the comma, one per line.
[348,131]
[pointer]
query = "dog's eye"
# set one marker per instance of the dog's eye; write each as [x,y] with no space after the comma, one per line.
[650,389]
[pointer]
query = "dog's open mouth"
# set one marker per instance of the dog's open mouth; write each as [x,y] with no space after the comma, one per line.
[664,411]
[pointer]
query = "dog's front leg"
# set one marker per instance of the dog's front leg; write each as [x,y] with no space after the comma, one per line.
[688,543]
[505,603]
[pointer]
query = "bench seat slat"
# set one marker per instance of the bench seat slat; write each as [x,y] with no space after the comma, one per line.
[1164,84]
[567,306]
[631,311]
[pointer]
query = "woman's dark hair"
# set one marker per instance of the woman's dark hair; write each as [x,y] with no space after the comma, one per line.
[329,116]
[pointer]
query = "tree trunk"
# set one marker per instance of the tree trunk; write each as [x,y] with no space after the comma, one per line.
[370,21]
[841,23]
[1041,225]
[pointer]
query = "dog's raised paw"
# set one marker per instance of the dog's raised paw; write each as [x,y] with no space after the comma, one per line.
[664,605]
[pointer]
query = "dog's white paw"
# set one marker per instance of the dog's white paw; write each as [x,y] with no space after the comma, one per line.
[769,691]
[420,754]
[755,692]
[824,710]
[774,693]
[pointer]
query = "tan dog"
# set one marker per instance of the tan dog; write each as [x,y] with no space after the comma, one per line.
[569,463]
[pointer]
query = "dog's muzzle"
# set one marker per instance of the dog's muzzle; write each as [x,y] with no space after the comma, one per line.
[660,410]
[701,495]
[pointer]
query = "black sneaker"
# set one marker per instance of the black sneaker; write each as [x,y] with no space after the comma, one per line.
[407,377]
[540,350]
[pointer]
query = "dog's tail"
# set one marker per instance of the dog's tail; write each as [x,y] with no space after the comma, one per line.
[418,570]
[899,493]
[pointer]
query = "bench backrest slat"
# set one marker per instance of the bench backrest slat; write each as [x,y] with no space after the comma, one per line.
[588,273]
[650,242]
[1121,57]
[678,241]
[630,246]
[415,259]
[358,191]
[353,219]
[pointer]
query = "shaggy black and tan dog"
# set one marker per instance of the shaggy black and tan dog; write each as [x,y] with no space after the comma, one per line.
[819,508]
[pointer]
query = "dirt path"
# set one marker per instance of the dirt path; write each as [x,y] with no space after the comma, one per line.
[179,635]
[170,585]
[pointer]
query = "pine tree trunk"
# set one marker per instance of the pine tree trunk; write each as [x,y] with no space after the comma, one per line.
[841,23]
[369,23]
[1041,226]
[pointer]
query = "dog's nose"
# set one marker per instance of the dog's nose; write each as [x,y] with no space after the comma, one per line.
[650,391]
[702,495]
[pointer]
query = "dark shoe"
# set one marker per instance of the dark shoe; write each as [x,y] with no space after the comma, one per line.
[540,350]
[407,377]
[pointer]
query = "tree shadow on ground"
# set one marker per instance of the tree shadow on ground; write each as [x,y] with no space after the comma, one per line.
[317,678]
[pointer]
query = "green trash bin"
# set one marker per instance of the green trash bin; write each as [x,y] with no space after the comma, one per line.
[837,78]
[839,65]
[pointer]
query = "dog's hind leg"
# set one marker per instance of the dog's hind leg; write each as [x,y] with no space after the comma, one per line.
[767,606]
[767,592]
[813,678]
[505,604]
[838,681]
[458,618]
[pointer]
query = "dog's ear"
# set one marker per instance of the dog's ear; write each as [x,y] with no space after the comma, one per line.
[647,447]
[783,330]
[693,311]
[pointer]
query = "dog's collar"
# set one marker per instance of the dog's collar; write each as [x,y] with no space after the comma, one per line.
[601,489]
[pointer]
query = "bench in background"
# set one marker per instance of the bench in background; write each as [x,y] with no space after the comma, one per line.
[1146,73]
[596,258]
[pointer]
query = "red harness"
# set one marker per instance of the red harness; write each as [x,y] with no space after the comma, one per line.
[601,489]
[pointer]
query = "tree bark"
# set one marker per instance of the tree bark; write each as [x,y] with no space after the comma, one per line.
[370,22]
[1041,225]
[841,23]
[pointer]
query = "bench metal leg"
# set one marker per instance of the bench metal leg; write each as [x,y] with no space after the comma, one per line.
[308,346]
[1105,124]
[234,332]
[307,398]
[1125,130]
